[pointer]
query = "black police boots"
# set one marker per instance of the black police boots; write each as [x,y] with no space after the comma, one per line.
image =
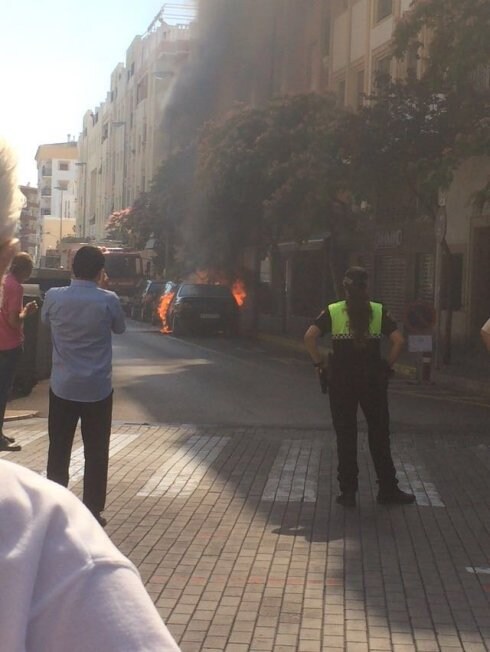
[395,497]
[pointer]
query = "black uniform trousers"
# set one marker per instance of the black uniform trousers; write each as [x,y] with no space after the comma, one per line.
[96,421]
[370,392]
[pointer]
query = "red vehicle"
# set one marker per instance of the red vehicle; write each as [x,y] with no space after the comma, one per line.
[124,269]
[123,266]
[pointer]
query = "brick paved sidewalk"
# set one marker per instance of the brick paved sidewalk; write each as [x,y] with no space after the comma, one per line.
[242,547]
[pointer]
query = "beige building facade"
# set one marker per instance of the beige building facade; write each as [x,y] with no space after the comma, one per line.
[121,143]
[57,166]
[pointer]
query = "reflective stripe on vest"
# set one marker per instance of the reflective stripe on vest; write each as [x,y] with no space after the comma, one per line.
[340,321]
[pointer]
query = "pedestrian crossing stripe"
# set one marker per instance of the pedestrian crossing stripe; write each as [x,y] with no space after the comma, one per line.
[118,442]
[478,570]
[181,474]
[294,473]
[30,438]
[411,478]
[293,477]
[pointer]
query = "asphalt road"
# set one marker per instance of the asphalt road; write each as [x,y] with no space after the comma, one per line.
[213,380]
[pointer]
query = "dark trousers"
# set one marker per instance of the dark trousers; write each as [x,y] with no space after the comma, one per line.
[8,363]
[96,420]
[371,393]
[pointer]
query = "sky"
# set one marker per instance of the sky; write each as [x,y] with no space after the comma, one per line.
[56,58]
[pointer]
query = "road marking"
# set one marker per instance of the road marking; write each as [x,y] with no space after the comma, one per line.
[181,474]
[411,478]
[294,474]
[117,443]
[23,441]
[478,570]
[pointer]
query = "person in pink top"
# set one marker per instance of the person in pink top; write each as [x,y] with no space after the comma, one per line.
[12,315]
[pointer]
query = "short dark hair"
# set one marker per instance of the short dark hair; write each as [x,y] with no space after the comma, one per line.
[21,264]
[88,262]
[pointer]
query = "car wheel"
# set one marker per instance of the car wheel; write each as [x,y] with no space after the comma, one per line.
[176,326]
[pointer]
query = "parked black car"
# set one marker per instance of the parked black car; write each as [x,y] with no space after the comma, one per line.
[144,302]
[198,308]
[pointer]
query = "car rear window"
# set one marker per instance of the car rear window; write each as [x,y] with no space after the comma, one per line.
[201,290]
[155,288]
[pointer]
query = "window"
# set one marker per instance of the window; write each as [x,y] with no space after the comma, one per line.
[63,166]
[384,8]
[142,90]
[45,211]
[62,185]
[382,71]
[105,131]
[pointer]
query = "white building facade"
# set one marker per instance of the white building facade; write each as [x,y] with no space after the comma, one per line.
[57,166]
[121,143]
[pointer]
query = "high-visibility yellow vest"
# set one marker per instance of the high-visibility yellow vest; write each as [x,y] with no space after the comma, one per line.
[340,321]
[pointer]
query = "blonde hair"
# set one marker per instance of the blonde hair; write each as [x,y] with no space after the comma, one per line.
[11,199]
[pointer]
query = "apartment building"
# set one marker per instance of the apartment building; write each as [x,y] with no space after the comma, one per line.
[28,220]
[122,140]
[57,167]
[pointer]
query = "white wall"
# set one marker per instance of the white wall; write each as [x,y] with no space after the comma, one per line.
[360,18]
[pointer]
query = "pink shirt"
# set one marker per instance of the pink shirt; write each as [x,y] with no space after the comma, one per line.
[10,338]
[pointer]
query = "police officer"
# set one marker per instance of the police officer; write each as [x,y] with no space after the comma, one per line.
[359,376]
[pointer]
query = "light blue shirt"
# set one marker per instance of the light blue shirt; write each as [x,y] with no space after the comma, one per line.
[82,318]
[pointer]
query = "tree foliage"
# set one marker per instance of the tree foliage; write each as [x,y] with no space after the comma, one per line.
[270,174]
[457,45]
[414,133]
[455,64]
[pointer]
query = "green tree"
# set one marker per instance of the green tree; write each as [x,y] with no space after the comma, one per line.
[273,173]
[455,68]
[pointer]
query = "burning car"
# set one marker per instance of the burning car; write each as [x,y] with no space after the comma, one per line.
[200,307]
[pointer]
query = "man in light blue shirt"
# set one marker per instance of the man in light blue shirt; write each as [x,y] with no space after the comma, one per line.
[82,318]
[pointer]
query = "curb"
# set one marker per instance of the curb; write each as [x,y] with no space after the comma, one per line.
[285,342]
[18,415]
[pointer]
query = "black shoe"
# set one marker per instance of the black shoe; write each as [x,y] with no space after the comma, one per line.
[100,519]
[346,499]
[10,440]
[5,445]
[395,497]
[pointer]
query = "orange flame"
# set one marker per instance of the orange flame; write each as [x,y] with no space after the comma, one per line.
[239,292]
[163,309]
[214,277]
